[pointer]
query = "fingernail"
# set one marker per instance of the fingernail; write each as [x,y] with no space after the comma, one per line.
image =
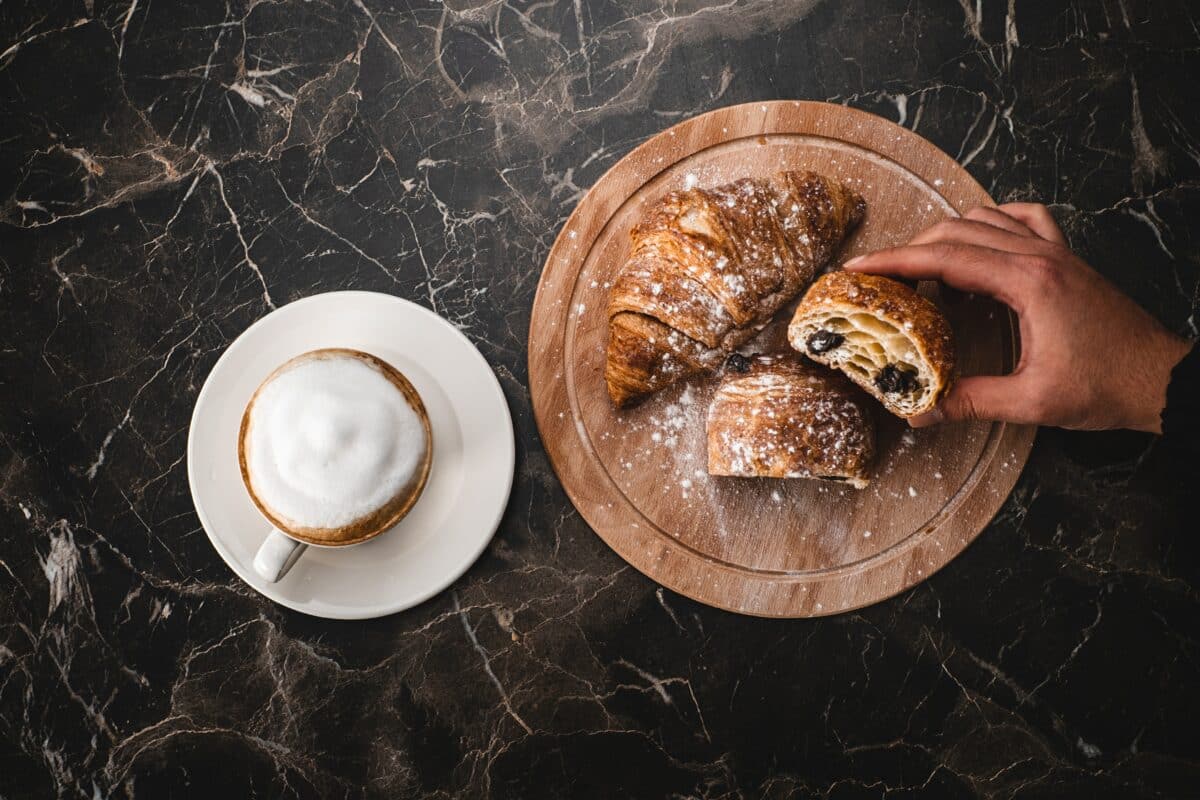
[853,261]
[928,419]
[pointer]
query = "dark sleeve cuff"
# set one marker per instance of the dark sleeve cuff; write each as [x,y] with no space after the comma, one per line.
[1181,416]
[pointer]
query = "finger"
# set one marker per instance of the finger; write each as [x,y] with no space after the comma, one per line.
[1038,218]
[963,266]
[997,218]
[1001,398]
[982,234]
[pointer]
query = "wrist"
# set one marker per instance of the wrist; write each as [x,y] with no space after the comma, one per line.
[1161,362]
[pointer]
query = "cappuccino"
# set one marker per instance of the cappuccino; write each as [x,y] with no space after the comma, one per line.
[335,447]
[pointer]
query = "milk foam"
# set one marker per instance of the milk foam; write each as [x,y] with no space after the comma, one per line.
[331,441]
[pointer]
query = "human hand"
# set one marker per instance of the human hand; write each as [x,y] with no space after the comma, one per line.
[1091,358]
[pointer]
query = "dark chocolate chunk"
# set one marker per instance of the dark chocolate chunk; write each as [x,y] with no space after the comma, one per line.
[891,379]
[823,341]
[738,363]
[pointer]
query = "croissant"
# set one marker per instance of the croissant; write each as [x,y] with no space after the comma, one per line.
[708,268]
[884,336]
[778,416]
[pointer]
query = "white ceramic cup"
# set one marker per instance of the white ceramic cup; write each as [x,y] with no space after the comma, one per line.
[277,555]
[283,547]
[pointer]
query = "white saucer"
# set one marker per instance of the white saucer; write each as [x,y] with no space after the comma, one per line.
[468,486]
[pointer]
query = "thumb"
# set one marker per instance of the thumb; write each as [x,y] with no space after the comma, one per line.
[981,398]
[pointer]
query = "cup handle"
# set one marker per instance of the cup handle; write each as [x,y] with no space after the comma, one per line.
[276,555]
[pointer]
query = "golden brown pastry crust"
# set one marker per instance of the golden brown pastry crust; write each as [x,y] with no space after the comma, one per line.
[713,266]
[653,356]
[785,418]
[919,341]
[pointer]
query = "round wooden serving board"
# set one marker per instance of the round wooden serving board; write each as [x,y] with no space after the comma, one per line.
[778,548]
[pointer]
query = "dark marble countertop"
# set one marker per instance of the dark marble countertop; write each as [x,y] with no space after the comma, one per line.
[169,173]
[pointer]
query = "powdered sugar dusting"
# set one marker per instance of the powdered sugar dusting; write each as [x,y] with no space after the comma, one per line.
[660,447]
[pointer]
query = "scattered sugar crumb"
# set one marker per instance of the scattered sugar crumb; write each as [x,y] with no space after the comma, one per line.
[912,492]
[776,496]
[866,534]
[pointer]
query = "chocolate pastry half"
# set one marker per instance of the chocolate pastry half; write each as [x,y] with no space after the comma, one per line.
[884,336]
[778,416]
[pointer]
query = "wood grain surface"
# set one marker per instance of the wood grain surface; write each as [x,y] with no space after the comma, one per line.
[780,548]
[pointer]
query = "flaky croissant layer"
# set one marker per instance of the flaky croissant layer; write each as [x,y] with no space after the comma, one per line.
[708,268]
